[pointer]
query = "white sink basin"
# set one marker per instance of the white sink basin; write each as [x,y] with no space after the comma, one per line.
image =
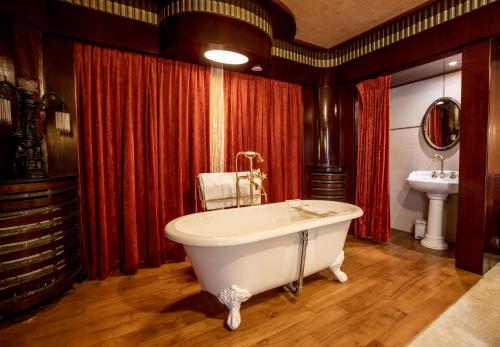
[437,190]
[424,182]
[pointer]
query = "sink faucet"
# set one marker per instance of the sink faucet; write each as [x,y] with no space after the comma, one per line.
[440,157]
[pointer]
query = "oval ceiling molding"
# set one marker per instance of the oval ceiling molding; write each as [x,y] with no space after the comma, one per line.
[242,10]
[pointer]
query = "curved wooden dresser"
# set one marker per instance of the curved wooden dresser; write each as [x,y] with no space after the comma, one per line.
[325,183]
[39,241]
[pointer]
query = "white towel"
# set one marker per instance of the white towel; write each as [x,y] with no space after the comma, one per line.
[223,186]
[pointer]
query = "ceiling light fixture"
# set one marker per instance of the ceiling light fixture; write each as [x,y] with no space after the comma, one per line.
[453,63]
[226,57]
[257,68]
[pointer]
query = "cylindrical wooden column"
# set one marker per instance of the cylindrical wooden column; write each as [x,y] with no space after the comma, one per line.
[325,174]
[324,125]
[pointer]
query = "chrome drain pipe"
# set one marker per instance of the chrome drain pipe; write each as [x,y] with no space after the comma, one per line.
[296,287]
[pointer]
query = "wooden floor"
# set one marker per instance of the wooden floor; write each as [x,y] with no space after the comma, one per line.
[393,292]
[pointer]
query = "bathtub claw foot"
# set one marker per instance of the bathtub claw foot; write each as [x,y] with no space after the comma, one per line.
[233,297]
[335,268]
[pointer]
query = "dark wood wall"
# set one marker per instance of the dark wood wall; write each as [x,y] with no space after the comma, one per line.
[492,237]
[473,155]
[59,76]
[25,53]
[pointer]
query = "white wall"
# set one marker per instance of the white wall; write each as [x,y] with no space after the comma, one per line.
[409,151]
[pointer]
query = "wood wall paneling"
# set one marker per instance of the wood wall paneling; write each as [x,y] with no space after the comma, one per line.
[7,72]
[7,68]
[308,137]
[32,12]
[348,143]
[187,36]
[473,156]
[493,183]
[324,125]
[58,57]
[287,70]
[447,38]
[283,20]
[27,52]
[86,24]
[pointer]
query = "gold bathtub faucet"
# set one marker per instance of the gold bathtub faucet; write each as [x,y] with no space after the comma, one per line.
[252,177]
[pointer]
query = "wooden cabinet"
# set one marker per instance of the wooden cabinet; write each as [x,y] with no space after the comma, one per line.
[39,240]
[325,182]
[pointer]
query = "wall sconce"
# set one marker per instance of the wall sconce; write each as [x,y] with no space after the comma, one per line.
[7,93]
[61,115]
[63,122]
[5,111]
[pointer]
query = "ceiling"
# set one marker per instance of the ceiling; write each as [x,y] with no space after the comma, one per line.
[326,23]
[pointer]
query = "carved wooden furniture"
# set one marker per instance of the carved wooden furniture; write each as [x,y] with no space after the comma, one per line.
[30,160]
[39,240]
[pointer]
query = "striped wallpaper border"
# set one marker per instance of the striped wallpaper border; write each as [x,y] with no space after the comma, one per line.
[242,10]
[141,10]
[425,18]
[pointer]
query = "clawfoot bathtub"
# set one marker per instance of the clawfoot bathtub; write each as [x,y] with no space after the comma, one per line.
[237,253]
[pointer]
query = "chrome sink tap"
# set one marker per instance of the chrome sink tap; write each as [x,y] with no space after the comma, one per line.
[441,158]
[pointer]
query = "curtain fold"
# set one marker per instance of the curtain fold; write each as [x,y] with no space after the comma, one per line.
[372,179]
[435,128]
[143,133]
[217,125]
[265,116]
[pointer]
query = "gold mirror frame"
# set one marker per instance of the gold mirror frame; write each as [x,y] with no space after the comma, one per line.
[424,124]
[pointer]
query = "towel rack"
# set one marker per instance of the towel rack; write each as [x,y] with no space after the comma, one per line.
[200,196]
[251,177]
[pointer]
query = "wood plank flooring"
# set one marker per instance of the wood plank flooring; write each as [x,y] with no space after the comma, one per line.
[393,292]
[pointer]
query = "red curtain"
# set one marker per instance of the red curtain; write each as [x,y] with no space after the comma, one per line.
[265,116]
[143,133]
[435,131]
[372,179]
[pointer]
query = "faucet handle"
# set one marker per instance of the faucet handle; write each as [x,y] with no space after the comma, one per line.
[453,174]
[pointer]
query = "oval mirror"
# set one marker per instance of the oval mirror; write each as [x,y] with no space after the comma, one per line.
[441,124]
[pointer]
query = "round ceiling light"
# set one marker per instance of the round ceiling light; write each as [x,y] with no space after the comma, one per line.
[226,57]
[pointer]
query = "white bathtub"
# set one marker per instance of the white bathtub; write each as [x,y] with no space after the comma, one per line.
[237,253]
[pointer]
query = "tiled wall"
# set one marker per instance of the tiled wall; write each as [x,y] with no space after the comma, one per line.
[409,151]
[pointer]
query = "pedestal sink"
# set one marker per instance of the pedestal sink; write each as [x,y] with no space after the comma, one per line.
[437,189]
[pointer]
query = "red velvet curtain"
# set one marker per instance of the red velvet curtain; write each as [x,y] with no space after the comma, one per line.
[435,131]
[265,116]
[372,179]
[143,133]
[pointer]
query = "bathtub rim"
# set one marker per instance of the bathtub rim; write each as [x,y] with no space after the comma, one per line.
[174,234]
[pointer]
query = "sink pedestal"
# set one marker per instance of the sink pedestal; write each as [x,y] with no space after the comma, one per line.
[434,237]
